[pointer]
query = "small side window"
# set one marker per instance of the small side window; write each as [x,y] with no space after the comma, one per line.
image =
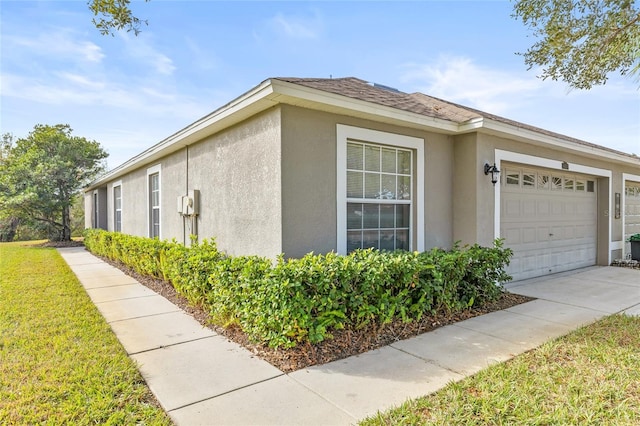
[591,186]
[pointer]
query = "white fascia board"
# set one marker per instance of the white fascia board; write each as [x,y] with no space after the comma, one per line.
[509,129]
[292,92]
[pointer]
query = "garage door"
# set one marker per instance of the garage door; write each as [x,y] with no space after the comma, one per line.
[549,219]
[631,212]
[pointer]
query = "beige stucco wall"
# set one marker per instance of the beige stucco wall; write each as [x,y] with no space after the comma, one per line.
[88,209]
[238,174]
[134,203]
[309,180]
[172,184]
[268,186]
[466,184]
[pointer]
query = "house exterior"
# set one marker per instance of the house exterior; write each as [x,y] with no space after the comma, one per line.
[298,165]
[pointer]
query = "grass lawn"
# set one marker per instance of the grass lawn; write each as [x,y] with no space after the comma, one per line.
[590,377]
[60,363]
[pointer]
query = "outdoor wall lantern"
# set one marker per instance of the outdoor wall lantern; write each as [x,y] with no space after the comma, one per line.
[494,172]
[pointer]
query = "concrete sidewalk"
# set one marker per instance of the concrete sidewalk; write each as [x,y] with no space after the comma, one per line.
[201,378]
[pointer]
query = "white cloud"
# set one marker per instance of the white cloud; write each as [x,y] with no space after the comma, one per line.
[204,60]
[59,44]
[600,115]
[140,49]
[82,81]
[297,27]
[71,91]
[460,80]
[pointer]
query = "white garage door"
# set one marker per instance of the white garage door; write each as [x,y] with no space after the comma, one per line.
[549,219]
[631,212]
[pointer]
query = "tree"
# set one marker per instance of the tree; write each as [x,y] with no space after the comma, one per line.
[41,175]
[582,41]
[114,15]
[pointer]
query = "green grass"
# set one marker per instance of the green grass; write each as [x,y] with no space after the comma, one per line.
[590,377]
[60,363]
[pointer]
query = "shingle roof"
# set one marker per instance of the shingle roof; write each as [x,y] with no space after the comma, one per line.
[420,103]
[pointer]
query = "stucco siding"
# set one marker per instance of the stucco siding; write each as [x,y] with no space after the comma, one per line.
[309,180]
[238,174]
[466,180]
[134,203]
[172,184]
[439,190]
[88,209]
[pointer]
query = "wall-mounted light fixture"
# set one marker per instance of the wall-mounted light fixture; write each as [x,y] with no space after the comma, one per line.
[494,172]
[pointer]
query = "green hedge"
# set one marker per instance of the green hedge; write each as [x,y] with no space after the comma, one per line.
[287,301]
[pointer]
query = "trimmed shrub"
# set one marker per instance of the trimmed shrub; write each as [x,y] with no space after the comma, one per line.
[284,302]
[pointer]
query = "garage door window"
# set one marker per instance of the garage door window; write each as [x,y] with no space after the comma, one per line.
[533,180]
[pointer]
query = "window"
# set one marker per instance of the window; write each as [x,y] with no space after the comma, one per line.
[153,178]
[96,217]
[529,180]
[117,208]
[568,184]
[380,189]
[513,178]
[543,182]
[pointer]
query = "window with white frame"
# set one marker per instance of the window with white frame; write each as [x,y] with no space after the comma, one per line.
[153,178]
[117,208]
[379,187]
[380,190]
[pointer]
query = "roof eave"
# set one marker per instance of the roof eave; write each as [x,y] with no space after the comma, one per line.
[498,128]
[308,97]
[269,93]
[256,100]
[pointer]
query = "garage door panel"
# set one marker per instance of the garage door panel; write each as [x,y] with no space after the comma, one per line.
[551,227]
[528,235]
[528,208]
[543,208]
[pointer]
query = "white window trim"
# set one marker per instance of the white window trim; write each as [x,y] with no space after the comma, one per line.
[345,133]
[150,171]
[531,160]
[112,202]
[625,177]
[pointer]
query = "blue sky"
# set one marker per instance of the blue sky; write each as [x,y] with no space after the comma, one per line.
[129,92]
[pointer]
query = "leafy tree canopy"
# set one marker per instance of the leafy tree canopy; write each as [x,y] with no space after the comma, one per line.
[114,15]
[582,41]
[41,174]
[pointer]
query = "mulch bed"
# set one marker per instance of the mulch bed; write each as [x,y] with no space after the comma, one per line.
[57,244]
[626,263]
[344,343]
